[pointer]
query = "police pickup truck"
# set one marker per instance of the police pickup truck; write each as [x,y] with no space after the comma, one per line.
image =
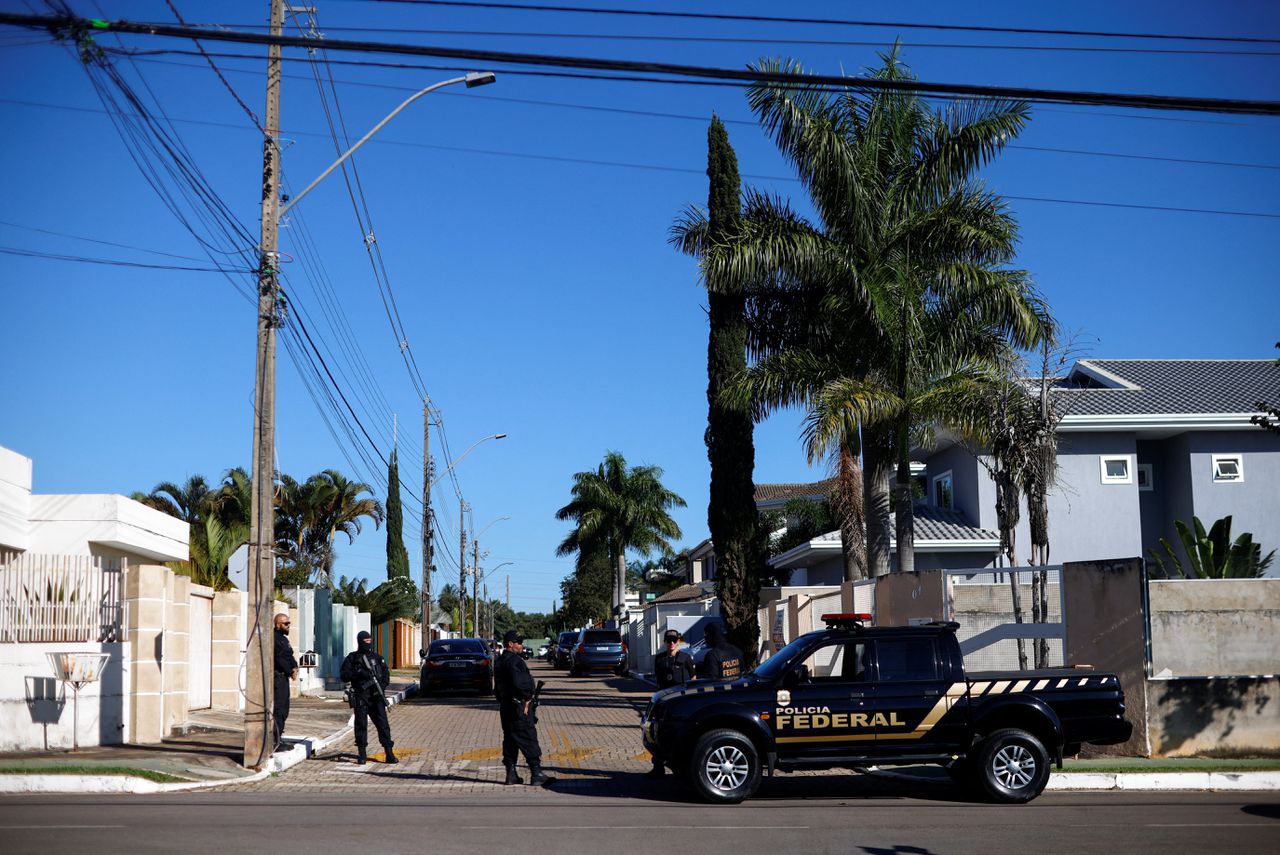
[852,696]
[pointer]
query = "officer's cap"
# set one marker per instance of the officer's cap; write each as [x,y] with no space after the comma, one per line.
[512,635]
[671,635]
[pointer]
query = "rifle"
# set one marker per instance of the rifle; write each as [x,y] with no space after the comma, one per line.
[377,684]
[533,702]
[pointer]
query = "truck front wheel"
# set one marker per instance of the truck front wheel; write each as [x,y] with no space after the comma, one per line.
[1012,766]
[725,767]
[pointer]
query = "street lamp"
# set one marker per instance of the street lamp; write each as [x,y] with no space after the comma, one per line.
[460,457]
[472,79]
[258,702]
[480,577]
[475,570]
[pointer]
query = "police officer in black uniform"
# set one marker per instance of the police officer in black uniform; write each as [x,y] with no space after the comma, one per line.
[286,669]
[369,677]
[671,667]
[513,687]
[723,660]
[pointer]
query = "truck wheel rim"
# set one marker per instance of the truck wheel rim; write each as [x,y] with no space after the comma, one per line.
[727,768]
[1014,767]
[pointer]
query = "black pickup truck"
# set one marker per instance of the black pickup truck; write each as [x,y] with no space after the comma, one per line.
[851,696]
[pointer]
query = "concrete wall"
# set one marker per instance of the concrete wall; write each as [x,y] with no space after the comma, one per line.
[228,650]
[107,525]
[901,597]
[15,501]
[1107,629]
[37,711]
[1215,627]
[1219,717]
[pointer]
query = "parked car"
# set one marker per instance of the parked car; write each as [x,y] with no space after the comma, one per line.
[563,649]
[542,651]
[598,650]
[457,663]
[851,696]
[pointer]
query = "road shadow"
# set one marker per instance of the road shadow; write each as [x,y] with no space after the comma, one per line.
[1270,811]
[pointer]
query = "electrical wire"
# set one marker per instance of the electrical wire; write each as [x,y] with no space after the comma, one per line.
[730,76]
[32,253]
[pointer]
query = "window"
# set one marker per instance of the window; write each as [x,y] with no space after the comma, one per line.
[907,659]
[1228,467]
[1144,477]
[842,662]
[944,491]
[1116,469]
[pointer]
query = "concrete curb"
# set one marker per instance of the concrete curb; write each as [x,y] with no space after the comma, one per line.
[302,750]
[1138,781]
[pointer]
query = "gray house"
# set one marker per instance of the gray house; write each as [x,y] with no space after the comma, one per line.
[1144,442]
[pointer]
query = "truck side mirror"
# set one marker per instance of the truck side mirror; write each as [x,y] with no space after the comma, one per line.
[796,676]
[422,653]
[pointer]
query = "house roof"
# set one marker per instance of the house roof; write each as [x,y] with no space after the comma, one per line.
[684,593]
[780,493]
[936,530]
[1137,387]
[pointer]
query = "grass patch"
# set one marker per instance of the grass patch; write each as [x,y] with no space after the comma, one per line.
[148,774]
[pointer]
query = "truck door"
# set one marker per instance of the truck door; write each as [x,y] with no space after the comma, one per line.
[913,698]
[824,708]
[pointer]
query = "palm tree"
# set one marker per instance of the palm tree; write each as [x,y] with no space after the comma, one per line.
[339,505]
[616,508]
[888,315]
[186,502]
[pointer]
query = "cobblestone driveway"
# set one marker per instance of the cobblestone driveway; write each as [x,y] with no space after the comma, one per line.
[588,728]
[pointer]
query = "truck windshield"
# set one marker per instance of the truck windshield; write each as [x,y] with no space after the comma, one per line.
[778,662]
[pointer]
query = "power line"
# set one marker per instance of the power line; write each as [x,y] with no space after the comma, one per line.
[776,40]
[729,75]
[98,240]
[790,179]
[769,19]
[33,253]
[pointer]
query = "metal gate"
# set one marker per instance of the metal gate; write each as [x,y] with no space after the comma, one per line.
[199,653]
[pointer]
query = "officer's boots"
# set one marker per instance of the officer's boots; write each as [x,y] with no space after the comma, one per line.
[512,777]
[360,755]
[537,778]
[390,755]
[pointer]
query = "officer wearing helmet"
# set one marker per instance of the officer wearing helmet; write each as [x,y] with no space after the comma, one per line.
[369,677]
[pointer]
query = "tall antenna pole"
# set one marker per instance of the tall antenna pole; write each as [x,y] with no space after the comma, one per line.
[258,734]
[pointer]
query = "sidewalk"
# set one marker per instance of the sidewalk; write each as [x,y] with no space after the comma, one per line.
[206,753]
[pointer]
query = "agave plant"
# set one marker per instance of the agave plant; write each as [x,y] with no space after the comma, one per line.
[1212,555]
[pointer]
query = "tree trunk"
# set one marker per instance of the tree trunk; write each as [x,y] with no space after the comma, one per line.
[876,459]
[849,505]
[904,514]
[619,582]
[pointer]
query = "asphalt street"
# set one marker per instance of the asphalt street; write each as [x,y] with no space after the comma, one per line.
[875,818]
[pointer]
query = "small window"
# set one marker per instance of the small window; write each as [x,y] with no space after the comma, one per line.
[1116,470]
[1228,467]
[944,491]
[1144,477]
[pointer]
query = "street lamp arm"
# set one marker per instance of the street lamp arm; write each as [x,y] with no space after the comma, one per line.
[460,457]
[472,79]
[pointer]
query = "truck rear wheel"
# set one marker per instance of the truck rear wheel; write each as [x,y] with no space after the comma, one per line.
[1012,766]
[725,767]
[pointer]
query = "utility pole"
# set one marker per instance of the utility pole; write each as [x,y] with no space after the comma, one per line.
[489,622]
[475,582]
[427,557]
[462,568]
[258,735]
[508,592]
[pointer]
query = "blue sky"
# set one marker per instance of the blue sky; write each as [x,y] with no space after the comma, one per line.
[526,243]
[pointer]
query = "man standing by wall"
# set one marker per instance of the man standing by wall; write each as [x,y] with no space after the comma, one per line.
[286,669]
[671,667]
[513,687]
[369,677]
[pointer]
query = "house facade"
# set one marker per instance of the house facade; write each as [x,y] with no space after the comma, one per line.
[1142,443]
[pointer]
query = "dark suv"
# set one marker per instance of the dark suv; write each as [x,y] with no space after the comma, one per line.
[598,650]
[563,648]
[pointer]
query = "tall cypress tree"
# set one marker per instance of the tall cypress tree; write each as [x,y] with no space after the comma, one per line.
[731,512]
[397,557]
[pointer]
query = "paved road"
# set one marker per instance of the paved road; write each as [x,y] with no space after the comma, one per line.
[879,820]
[445,797]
